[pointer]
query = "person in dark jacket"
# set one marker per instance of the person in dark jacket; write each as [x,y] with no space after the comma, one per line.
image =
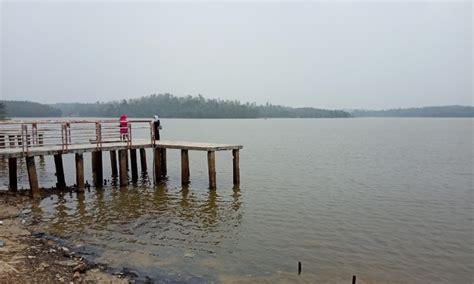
[156,127]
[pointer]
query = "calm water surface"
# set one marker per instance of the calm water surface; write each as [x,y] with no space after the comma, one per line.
[390,200]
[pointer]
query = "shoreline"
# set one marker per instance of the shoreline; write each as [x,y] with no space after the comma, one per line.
[27,256]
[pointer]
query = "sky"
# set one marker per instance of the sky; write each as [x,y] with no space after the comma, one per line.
[337,55]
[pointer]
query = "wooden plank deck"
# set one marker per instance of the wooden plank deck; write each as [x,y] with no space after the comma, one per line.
[136,144]
[185,145]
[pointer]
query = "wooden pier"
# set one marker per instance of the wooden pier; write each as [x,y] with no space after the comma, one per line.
[28,139]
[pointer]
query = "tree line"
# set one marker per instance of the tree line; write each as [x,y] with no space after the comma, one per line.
[167,105]
[2,111]
[434,111]
[27,109]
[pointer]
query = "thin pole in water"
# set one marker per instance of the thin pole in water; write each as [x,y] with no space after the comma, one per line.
[299,267]
[353,279]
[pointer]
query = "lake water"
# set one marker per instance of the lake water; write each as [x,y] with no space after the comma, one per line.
[386,199]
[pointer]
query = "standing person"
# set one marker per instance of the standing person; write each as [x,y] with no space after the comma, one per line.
[123,127]
[156,127]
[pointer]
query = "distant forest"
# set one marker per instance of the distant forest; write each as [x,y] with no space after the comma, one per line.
[435,111]
[169,106]
[28,109]
[2,111]
[166,105]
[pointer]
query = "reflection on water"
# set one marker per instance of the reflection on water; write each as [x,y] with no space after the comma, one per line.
[144,223]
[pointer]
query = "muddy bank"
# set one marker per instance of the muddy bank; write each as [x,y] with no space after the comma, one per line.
[27,256]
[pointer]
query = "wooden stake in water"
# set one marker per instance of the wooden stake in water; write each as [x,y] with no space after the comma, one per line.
[299,267]
[353,279]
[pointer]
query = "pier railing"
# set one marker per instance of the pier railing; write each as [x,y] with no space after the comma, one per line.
[64,133]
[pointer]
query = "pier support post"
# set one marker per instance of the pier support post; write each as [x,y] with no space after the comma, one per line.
[236,167]
[32,176]
[143,159]
[13,176]
[157,164]
[211,164]
[164,169]
[97,170]
[58,163]
[123,167]
[184,167]
[133,164]
[79,171]
[113,162]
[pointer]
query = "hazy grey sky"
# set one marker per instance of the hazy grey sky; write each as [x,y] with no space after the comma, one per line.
[331,55]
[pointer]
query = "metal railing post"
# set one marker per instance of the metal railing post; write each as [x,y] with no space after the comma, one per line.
[98,134]
[129,141]
[67,134]
[152,133]
[34,134]
[62,137]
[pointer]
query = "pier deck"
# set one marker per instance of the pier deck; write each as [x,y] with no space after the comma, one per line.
[136,144]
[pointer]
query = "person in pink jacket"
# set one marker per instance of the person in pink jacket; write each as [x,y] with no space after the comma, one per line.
[123,127]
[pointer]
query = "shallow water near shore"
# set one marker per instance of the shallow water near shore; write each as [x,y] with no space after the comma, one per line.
[386,199]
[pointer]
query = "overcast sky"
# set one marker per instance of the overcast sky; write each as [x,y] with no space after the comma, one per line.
[329,55]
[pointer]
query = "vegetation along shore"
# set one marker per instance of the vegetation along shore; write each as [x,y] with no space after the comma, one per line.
[169,106]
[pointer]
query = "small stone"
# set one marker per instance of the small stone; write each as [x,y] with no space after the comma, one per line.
[188,254]
[1,222]
[26,211]
[52,250]
[76,275]
[23,222]
[81,267]
[31,256]
[68,262]
[2,243]
[66,251]
[43,266]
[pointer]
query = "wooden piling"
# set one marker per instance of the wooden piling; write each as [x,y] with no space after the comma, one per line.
[143,159]
[79,171]
[164,168]
[157,163]
[113,163]
[133,164]
[184,167]
[236,166]
[2,141]
[13,175]
[32,176]
[97,170]
[58,163]
[123,167]
[211,164]
[126,158]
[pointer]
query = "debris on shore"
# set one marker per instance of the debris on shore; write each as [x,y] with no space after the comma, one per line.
[27,257]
